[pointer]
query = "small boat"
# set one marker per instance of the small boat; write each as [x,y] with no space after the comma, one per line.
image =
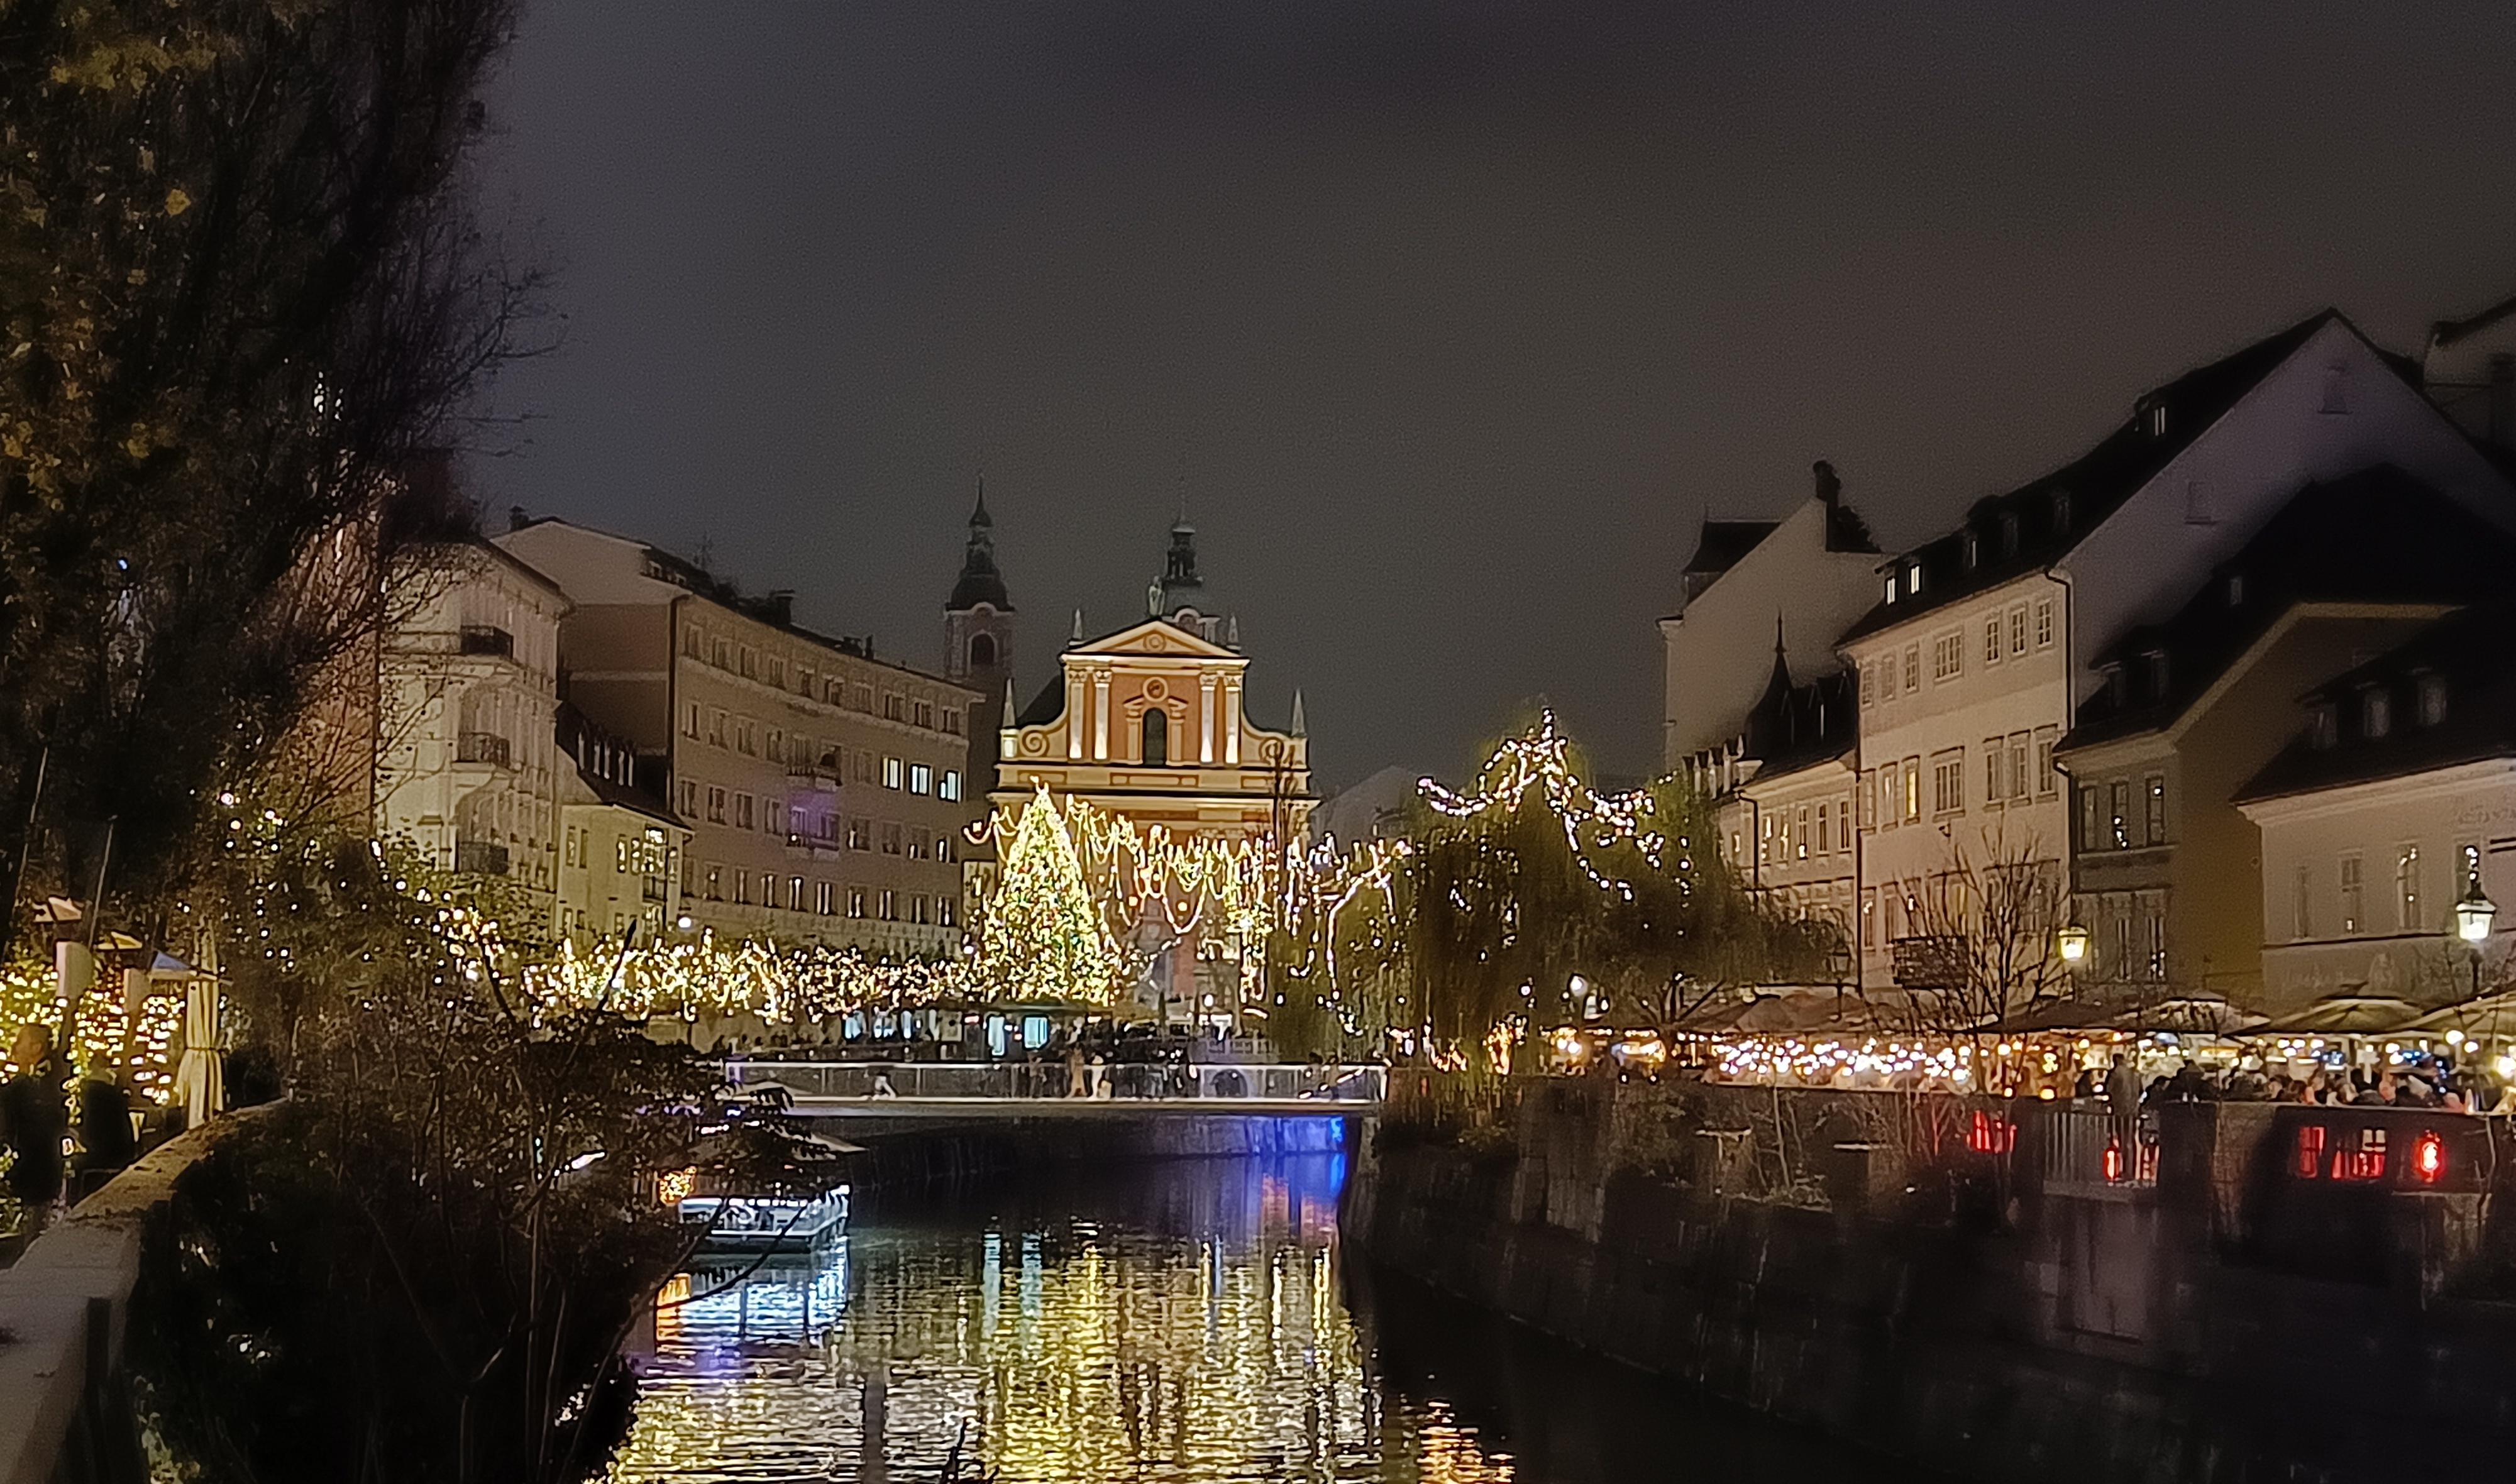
[739,1225]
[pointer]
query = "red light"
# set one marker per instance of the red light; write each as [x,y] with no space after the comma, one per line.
[2310,1151]
[1991,1136]
[2113,1160]
[2428,1158]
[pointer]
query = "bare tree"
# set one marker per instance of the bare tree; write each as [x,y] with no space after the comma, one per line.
[1981,949]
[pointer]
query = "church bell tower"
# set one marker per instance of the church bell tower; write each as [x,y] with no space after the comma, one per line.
[979,642]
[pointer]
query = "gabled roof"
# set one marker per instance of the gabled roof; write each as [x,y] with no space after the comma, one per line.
[1156,636]
[2465,654]
[2038,523]
[1800,725]
[2446,332]
[2377,536]
[1722,543]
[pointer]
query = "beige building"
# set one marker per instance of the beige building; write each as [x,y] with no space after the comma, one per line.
[621,846]
[825,790]
[467,767]
[1783,797]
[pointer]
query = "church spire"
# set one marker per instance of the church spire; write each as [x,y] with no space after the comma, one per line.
[980,581]
[1301,721]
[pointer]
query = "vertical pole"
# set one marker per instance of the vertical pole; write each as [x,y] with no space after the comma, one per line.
[25,848]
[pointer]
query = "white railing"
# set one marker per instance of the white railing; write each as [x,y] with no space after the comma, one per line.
[2094,1149]
[1224,1080]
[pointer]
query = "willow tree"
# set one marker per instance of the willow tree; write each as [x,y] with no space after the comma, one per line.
[1534,894]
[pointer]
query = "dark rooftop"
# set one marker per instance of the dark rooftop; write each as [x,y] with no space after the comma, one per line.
[2007,536]
[2444,697]
[1723,542]
[2377,536]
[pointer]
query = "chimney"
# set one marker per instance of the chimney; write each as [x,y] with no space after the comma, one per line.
[780,606]
[517,519]
[1828,489]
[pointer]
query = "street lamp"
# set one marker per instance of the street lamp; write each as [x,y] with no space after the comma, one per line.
[2473,912]
[2072,943]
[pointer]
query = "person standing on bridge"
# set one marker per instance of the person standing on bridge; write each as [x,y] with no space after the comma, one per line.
[1075,1084]
[33,1115]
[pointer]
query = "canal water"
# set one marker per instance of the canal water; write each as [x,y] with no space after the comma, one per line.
[1172,1322]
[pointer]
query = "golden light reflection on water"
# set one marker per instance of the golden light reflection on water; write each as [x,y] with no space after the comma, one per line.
[1201,1341]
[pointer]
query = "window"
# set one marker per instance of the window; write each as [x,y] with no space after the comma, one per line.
[2375,713]
[856,902]
[1157,738]
[2156,919]
[983,650]
[2235,590]
[746,738]
[742,811]
[795,894]
[1887,679]
[716,728]
[690,798]
[921,778]
[951,720]
[944,846]
[893,771]
[2407,888]
[2014,774]
[1825,829]
[742,887]
[716,883]
[1912,788]
[2119,825]
[924,714]
[822,898]
[1891,587]
[2432,699]
[2354,906]
[1912,667]
[778,671]
[769,889]
[889,909]
[1991,754]
[947,912]
[918,907]
[1800,835]
[2043,623]
[2157,673]
[1947,782]
[895,708]
[690,720]
[1868,684]
[1948,657]
[2122,961]
[950,788]
[2154,815]
[772,816]
[2048,781]
[716,806]
[918,841]
[777,745]
[2301,903]
[750,662]
[2322,726]
[860,835]
[890,838]
[1913,577]
[691,643]
[1992,640]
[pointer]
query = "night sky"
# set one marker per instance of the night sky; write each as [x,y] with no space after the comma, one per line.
[1450,317]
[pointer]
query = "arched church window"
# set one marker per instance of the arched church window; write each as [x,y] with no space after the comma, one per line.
[982,651]
[1158,739]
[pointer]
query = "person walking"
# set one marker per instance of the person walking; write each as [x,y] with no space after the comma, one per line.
[34,1116]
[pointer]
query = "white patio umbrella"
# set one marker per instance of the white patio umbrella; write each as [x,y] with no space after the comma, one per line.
[198,1080]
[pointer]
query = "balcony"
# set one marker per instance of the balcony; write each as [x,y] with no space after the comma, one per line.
[479,857]
[484,747]
[486,639]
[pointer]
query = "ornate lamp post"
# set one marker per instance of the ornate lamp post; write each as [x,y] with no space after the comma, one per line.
[2473,912]
[2072,943]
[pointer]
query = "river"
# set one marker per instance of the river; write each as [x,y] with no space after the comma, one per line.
[1171,1322]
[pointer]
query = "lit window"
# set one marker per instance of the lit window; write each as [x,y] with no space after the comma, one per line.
[2432,699]
[2407,888]
[892,769]
[2154,816]
[950,788]
[2375,713]
[795,894]
[947,913]
[822,898]
[921,778]
[856,902]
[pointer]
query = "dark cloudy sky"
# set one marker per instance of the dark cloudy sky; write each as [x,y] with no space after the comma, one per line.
[1451,316]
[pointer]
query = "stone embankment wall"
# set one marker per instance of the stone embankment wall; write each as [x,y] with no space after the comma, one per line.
[2246,1294]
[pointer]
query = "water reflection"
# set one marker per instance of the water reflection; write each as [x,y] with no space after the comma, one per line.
[1185,1321]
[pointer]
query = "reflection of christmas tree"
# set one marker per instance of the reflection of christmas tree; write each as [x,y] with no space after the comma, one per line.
[1042,936]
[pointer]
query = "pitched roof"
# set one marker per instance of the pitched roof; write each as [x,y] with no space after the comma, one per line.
[1048,705]
[1722,543]
[2376,536]
[2446,332]
[2464,653]
[2031,527]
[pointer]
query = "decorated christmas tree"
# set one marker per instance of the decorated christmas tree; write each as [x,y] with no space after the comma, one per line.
[1042,937]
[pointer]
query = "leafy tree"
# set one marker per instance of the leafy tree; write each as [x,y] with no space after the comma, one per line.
[238,291]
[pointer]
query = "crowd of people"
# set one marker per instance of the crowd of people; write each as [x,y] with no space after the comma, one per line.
[2431,1083]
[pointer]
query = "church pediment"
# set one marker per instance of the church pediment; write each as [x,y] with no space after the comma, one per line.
[1155,637]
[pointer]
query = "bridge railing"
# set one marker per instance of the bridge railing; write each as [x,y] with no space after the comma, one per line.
[848,1080]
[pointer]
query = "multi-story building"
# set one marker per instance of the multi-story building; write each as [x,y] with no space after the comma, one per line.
[2395,798]
[621,846]
[1783,797]
[1814,570]
[825,790]
[1986,640]
[467,766]
[2166,868]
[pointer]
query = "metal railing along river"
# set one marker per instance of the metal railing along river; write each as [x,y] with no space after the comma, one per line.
[831,1081]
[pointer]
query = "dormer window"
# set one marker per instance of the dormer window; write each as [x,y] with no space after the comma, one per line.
[1973,551]
[2153,418]
[2432,699]
[1891,587]
[2061,509]
[1913,578]
[2323,727]
[2235,590]
[2158,675]
[2118,689]
[2009,533]
[2375,713]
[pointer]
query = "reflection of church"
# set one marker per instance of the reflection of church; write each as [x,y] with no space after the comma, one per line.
[1148,724]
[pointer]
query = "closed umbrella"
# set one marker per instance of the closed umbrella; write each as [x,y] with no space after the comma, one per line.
[199,1080]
